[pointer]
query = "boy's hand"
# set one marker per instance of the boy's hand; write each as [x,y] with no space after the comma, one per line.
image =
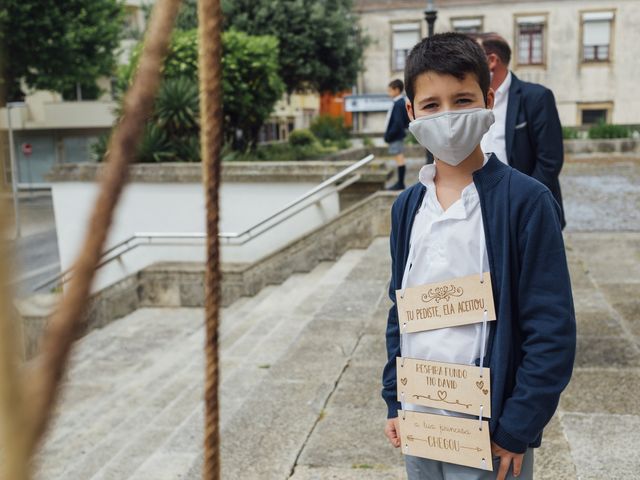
[506,457]
[392,431]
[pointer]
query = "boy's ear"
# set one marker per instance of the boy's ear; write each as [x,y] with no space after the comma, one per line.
[491,98]
[410,110]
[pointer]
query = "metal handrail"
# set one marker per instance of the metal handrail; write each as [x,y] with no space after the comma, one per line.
[108,255]
[330,181]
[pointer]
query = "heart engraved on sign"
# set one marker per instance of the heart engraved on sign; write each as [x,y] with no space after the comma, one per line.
[480,386]
[403,381]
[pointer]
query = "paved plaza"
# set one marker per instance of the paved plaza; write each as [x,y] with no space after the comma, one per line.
[301,365]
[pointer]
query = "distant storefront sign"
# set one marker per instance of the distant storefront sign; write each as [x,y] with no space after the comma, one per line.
[368,103]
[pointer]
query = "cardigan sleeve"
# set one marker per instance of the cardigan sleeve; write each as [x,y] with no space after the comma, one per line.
[389,385]
[547,327]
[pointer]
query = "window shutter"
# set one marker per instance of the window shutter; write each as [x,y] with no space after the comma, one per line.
[596,33]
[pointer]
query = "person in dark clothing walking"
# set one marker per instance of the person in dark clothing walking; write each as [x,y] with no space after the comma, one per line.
[396,129]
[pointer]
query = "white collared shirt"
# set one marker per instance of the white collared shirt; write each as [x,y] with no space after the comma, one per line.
[444,245]
[494,139]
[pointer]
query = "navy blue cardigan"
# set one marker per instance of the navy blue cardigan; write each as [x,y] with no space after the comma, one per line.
[531,346]
[398,121]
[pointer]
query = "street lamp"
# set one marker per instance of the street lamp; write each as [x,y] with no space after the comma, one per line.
[430,15]
[14,168]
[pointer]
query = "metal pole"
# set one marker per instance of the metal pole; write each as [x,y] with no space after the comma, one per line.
[430,15]
[14,172]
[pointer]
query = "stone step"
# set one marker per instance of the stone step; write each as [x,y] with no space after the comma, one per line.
[261,403]
[133,397]
[263,439]
[120,394]
[293,292]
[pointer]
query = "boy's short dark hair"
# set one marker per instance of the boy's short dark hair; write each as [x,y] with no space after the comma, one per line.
[449,54]
[494,43]
[397,84]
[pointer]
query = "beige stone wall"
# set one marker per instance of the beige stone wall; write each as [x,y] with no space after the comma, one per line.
[572,82]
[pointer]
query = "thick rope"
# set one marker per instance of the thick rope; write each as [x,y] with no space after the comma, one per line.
[209,66]
[67,322]
[14,447]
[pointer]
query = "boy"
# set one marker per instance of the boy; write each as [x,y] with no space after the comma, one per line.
[395,129]
[470,212]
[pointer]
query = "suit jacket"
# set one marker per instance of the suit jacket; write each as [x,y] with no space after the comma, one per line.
[533,135]
[398,122]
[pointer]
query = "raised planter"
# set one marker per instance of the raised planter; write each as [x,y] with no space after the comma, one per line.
[169,198]
[617,145]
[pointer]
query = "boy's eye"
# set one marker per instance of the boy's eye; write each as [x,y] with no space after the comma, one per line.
[430,106]
[464,100]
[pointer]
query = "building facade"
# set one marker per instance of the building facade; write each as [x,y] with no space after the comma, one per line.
[584,51]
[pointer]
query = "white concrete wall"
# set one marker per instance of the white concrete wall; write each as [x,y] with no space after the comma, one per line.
[146,207]
[571,81]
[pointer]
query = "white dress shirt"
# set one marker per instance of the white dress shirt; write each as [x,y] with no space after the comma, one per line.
[494,139]
[444,245]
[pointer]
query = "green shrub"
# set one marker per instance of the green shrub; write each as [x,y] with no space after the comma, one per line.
[569,133]
[177,105]
[410,139]
[604,130]
[301,138]
[367,142]
[154,146]
[328,127]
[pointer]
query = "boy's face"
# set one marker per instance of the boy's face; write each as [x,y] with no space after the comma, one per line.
[393,92]
[436,93]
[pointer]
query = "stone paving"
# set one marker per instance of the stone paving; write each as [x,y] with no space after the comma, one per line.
[301,365]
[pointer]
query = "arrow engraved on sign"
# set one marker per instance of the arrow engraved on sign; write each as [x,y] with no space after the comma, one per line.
[477,449]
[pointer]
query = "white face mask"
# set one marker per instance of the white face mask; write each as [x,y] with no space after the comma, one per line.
[452,136]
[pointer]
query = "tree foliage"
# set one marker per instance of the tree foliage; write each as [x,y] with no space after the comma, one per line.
[251,87]
[54,45]
[321,43]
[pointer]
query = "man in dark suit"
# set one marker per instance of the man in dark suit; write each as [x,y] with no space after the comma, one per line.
[527,133]
[396,129]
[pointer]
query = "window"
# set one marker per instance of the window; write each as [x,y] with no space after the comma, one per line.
[590,117]
[594,113]
[467,25]
[596,36]
[405,36]
[530,40]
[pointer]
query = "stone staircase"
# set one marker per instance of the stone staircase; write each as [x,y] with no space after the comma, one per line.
[132,406]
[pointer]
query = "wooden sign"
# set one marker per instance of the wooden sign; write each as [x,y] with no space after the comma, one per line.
[448,386]
[460,301]
[445,438]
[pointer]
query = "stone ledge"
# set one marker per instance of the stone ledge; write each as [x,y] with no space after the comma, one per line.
[232,172]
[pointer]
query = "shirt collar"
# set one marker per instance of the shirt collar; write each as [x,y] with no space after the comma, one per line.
[503,89]
[398,97]
[469,194]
